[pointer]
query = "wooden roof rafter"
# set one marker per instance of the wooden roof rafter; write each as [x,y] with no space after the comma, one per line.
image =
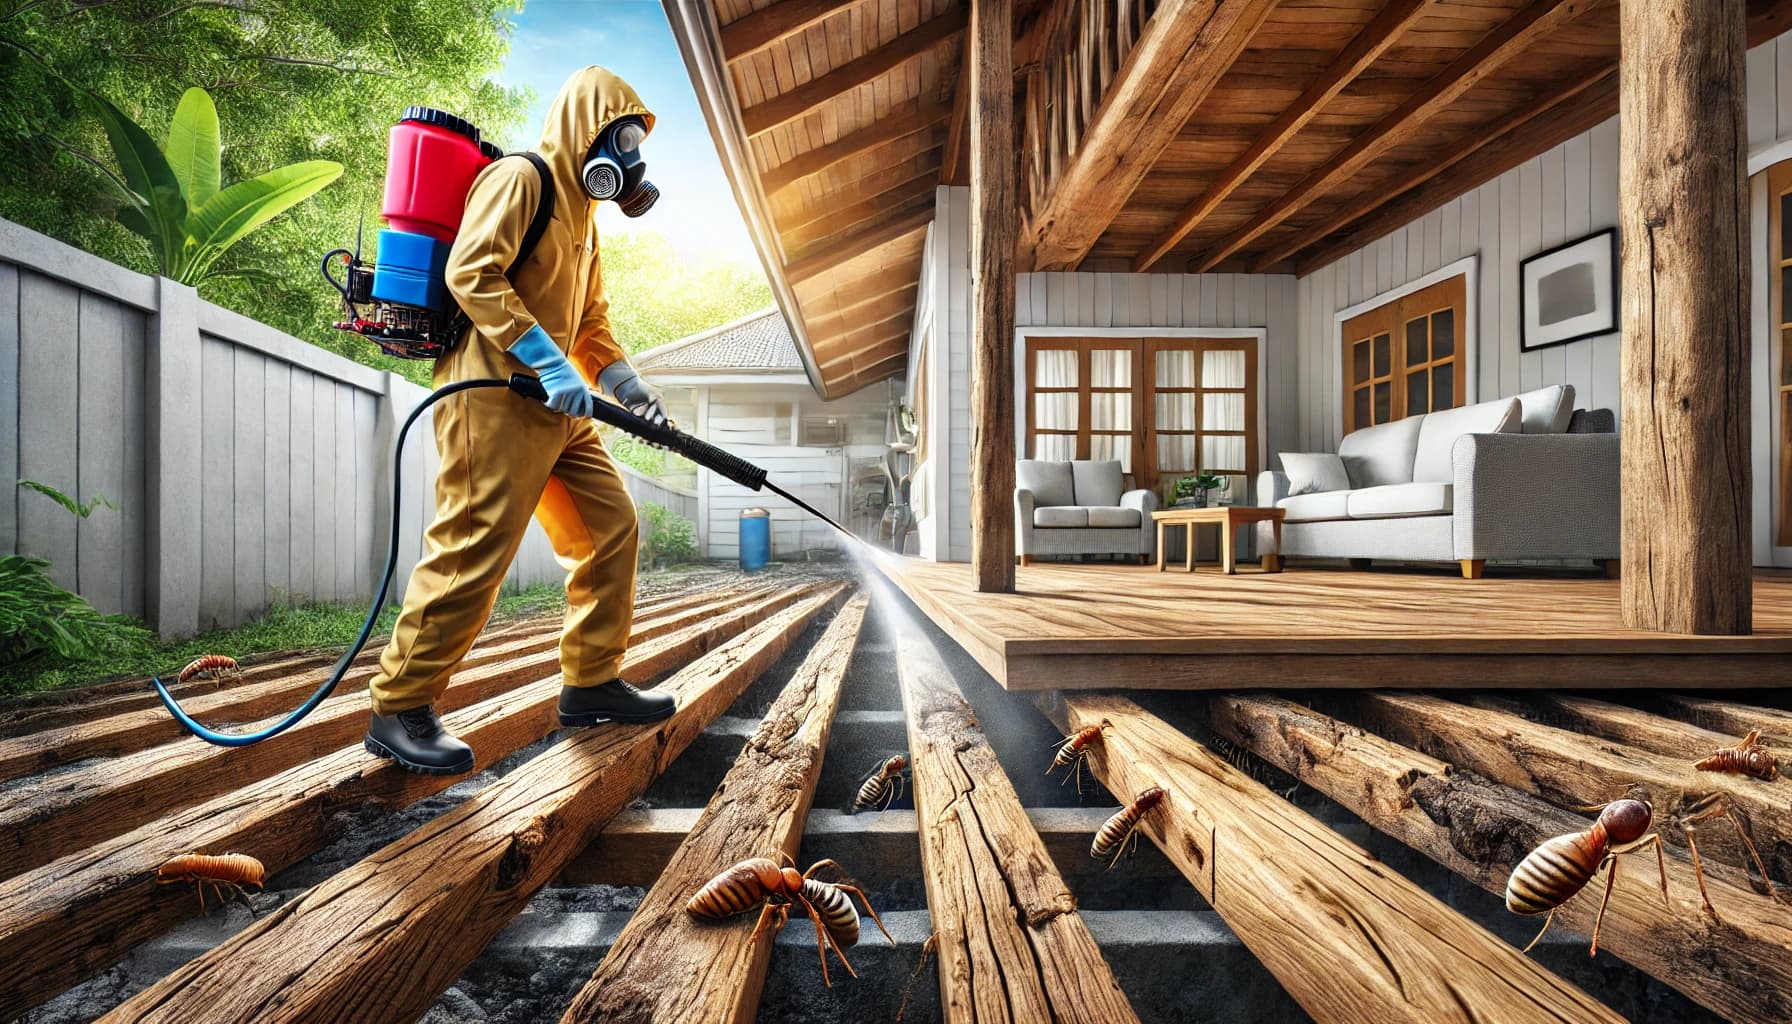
[762,29]
[858,243]
[874,136]
[878,186]
[899,204]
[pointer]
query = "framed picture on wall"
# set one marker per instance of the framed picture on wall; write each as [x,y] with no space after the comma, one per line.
[1569,292]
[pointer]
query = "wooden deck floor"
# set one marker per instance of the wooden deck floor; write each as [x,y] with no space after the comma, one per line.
[1088,626]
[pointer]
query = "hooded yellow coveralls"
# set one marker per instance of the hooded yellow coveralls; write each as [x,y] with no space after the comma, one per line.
[503,455]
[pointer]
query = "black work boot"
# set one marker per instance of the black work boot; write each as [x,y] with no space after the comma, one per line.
[614,701]
[416,740]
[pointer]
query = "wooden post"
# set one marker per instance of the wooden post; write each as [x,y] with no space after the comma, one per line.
[993,227]
[1683,223]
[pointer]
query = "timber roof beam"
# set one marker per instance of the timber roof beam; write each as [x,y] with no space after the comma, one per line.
[838,250]
[769,26]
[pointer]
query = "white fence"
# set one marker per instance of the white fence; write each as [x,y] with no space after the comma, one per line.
[250,468]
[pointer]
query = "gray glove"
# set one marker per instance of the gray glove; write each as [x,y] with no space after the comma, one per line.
[634,393]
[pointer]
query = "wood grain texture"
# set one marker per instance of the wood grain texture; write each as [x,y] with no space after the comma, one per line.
[1480,830]
[79,914]
[1011,946]
[994,227]
[1730,717]
[1683,240]
[1349,940]
[774,23]
[667,964]
[380,941]
[788,106]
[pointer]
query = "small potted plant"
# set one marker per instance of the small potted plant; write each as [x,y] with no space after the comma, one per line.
[1192,490]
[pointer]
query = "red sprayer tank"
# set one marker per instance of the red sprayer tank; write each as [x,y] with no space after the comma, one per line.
[432,158]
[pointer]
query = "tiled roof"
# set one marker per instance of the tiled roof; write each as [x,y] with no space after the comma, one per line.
[758,342]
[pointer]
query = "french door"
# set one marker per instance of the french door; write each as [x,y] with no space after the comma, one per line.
[1166,408]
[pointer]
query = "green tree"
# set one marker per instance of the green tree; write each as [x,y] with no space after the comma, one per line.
[293,80]
[656,297]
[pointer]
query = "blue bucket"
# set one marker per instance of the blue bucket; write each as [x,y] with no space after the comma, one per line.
[755,539]
[409,270]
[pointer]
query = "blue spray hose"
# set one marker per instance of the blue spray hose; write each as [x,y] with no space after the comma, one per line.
[667,436]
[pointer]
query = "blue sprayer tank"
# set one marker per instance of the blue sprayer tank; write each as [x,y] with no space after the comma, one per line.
[755,539]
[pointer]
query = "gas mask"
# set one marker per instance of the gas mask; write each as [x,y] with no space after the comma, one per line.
[614,169]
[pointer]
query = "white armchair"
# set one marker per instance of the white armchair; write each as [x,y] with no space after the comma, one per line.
[1080,508]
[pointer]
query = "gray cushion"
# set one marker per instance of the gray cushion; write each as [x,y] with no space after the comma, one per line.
[1097,483]
[1381,454]
[1305,508]
[1547,410]
[1310,472]
[1440,430]
[1049,481]
[1593,421]
[1060,517]
[1398,500]
[1111,517]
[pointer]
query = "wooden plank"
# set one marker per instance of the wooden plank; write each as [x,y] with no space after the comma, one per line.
[1011,945]
[830,254]
[794,103]
[1729,717]
[994,231]
[917,205]
[1654,733]
[1569,770]
[954,167]
[768,26]
[883,132]
[1364,49]
[833,218]
[1685,361]
[453,884]
[85,911]
[668,965]
[1348,939]
[1481,830]
[1515,36]
[1187,46]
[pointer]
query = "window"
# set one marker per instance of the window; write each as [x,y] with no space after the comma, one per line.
[824,432]
[1404,357]
[1166,408]
[1779,233]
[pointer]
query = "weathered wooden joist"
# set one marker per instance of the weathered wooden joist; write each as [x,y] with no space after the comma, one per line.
[380,941]
[1349,940]
[1573,771]
[1481,830]
[1730,717]
[667,965]
[1658,734]
[1011,945]
[144,727]
[77,915]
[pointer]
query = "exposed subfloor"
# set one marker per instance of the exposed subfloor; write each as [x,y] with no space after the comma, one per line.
[1172,956]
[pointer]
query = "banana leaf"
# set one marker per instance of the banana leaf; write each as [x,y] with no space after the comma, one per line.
[195,146]
[233,213]
[152,183]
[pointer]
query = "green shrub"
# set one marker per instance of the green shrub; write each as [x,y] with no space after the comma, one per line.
[667,538]
[37,616]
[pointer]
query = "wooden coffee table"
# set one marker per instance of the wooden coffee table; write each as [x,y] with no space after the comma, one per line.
[1228,518]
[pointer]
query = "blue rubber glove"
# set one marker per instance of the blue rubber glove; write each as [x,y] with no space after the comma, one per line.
[567,391]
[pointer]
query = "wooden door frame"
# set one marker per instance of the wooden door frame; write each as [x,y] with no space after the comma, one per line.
[1468,267]
[1258,335]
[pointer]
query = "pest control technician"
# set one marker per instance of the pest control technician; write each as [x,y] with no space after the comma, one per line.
[504,456]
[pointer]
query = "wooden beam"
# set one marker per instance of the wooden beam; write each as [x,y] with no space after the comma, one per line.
[1365,49]
[851,201]
[875,308]
[1348,939]
[786,107]
[82,913]
[1729,717]
[994,217]
[1684,364]
[1517,35]
[1481,830]
[877,134]
[1570,770]
[768,26]
[828,255]
[1622,723]
[1547,121]
[48,818]
[897,203]
[758,810]
[348,948]
[1186,48]
[887,345]
[953,162]
[1012,947]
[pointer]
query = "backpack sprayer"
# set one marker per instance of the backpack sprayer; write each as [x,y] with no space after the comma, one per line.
[402,304]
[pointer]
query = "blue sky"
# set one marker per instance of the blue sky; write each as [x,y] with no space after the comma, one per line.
[554,38]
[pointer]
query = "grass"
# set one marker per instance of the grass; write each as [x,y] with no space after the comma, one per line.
[291,628]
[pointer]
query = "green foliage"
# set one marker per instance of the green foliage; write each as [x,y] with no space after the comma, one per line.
[667,538]
[1209,481]
[298,80]
[657,297]
[74,507]
[38,617]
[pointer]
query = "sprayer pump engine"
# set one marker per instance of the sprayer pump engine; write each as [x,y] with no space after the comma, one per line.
[400,329]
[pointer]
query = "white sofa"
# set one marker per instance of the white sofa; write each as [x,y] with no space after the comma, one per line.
[1500,480]
[1081,507]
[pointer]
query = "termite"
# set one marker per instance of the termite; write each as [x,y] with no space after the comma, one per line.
[1073,752]
[1750,757]
[883,786]
[1114,833]
[215,666]
[760,880]
[229,871]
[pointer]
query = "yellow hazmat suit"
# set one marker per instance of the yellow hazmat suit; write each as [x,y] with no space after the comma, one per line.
[503,455]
